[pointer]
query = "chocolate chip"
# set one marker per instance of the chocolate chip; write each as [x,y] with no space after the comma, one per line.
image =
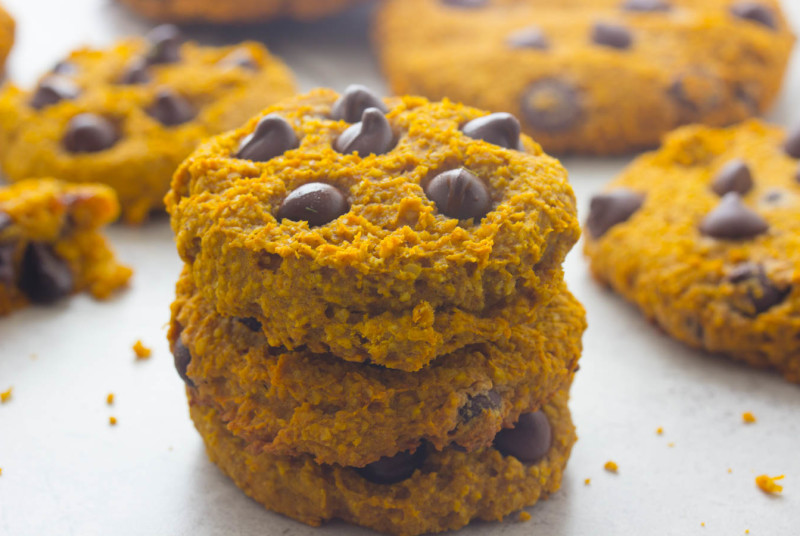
[528,38]
[64,67]
[272,137]
[372,135]
[551,105]
[459,194]
[611,35]
[498,129]
[7,263]
[762,293]
[755,12]
[250,323]
[5,221]
[45,277]
[52,90]
[170,109]
[89,133]
[732,220]
[774,197]
[165,44]
[355,99]
[136,73]
[182,357]
[394,469]
[478,404]
[316,202]
[792,143]
[697,91]
[529,441]
[241,58]
[735,176]
[609,209]
[646,6]
[465,3]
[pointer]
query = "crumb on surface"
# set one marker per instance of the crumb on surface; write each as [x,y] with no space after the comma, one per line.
[112,421]
[611,466]
[5,396]
[587,481]
[730,470]
[660,430]
[141,351]
[1,471]
[671,444]
[767,483]
[702,524]
[524,516]
[747,531]
[110,399]
[748,418]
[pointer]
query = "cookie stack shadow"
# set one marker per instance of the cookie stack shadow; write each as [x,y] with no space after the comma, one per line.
[399,358]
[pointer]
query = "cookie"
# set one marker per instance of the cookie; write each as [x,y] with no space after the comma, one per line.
[232,11]
[382,231]
[411,493]
[291,403]
[591,76]
[704,236]
[6,36]
[128,115]
[50,243]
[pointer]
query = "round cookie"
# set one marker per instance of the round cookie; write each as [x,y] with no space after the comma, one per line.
[591,76]
[232,11]
[291,403]
[704,236]
[6,37]
[439,240]
[128,115]
[413,493]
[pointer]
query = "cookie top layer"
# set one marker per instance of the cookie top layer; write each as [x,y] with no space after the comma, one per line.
[237,10]
[358,238]
[6,36]
[591,76]
[128,115]
[704,235]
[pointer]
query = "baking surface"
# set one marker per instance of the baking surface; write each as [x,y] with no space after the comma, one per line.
[65,471]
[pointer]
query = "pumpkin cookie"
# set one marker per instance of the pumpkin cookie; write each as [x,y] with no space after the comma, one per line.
[591,76]
[6,36]
[412,492]
[50,244]
[231,11]
[704,236]
[127,116]
[390,231]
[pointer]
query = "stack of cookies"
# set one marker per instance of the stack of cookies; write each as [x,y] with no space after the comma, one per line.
[372,321]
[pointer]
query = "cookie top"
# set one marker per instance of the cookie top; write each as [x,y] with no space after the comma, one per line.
[704,235]
[591,76]
[236,10]
[126,116]
[360,237]
[6,36]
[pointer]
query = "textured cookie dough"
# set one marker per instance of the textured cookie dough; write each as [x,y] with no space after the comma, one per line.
[704,236]
[447,490]
[153,100]
[50,244]
[230,11]
[386,276]
[353,414]
[6,37]
[591,76]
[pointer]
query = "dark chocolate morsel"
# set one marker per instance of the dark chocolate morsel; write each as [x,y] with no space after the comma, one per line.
[551,105]
[612,35]
[735,176]
[732,220]
[498,129]
[89,133]
[315,202]
[532,37]
[372,135]
[182,357]
[54,89]
[272,137]
[763,294]
[394,469]
[755,12]
[165,44]
[459,194]
[64,67]
[792,143]
[352,103]
[478,404]
[465,3]
[609,209]
[697,91]
[136,72]
[171,109]
[250,323]
[529,441]
[646,6]
[44,277]
[7,262]
[242,58]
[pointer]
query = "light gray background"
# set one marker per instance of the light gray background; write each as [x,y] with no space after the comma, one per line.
[67,472]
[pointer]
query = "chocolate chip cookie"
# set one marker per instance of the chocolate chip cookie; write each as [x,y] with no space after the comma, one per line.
[128,115]
[6,37]
[50,244]
[591,76]
[231,11]
[704,236]
[383,231]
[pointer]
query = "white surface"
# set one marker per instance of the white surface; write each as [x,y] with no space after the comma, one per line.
[67,472]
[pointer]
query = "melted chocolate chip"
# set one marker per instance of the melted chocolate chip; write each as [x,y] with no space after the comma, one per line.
[241,58]
[646,6]
[250,323]
[732,220]
[755,12]
[7,263]
[89,133]
[316,202]
[394,469]
[735,176]
[697,91]
[612,208]
[52,90]
[355,99]
[136,73]
[478,404]
[528,38]
[792,143]
[611,35]
[171,109]
[272,137]
[459,194]
[551,105]
[182,357]
[465,3]
[372,135]
[498,129]
[529,441]
[165,44]
[45,277]
[762,293]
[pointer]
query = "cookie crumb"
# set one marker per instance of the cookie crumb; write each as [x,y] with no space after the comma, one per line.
[748,418]
[767,484]
[660,431]
[587,481]
[702,524]
[1,471]
[112,421]
[5,396]
[611,466]
[730,470]
[524,516]
[747,531]
[141,351]
[671,444]
[110,399]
